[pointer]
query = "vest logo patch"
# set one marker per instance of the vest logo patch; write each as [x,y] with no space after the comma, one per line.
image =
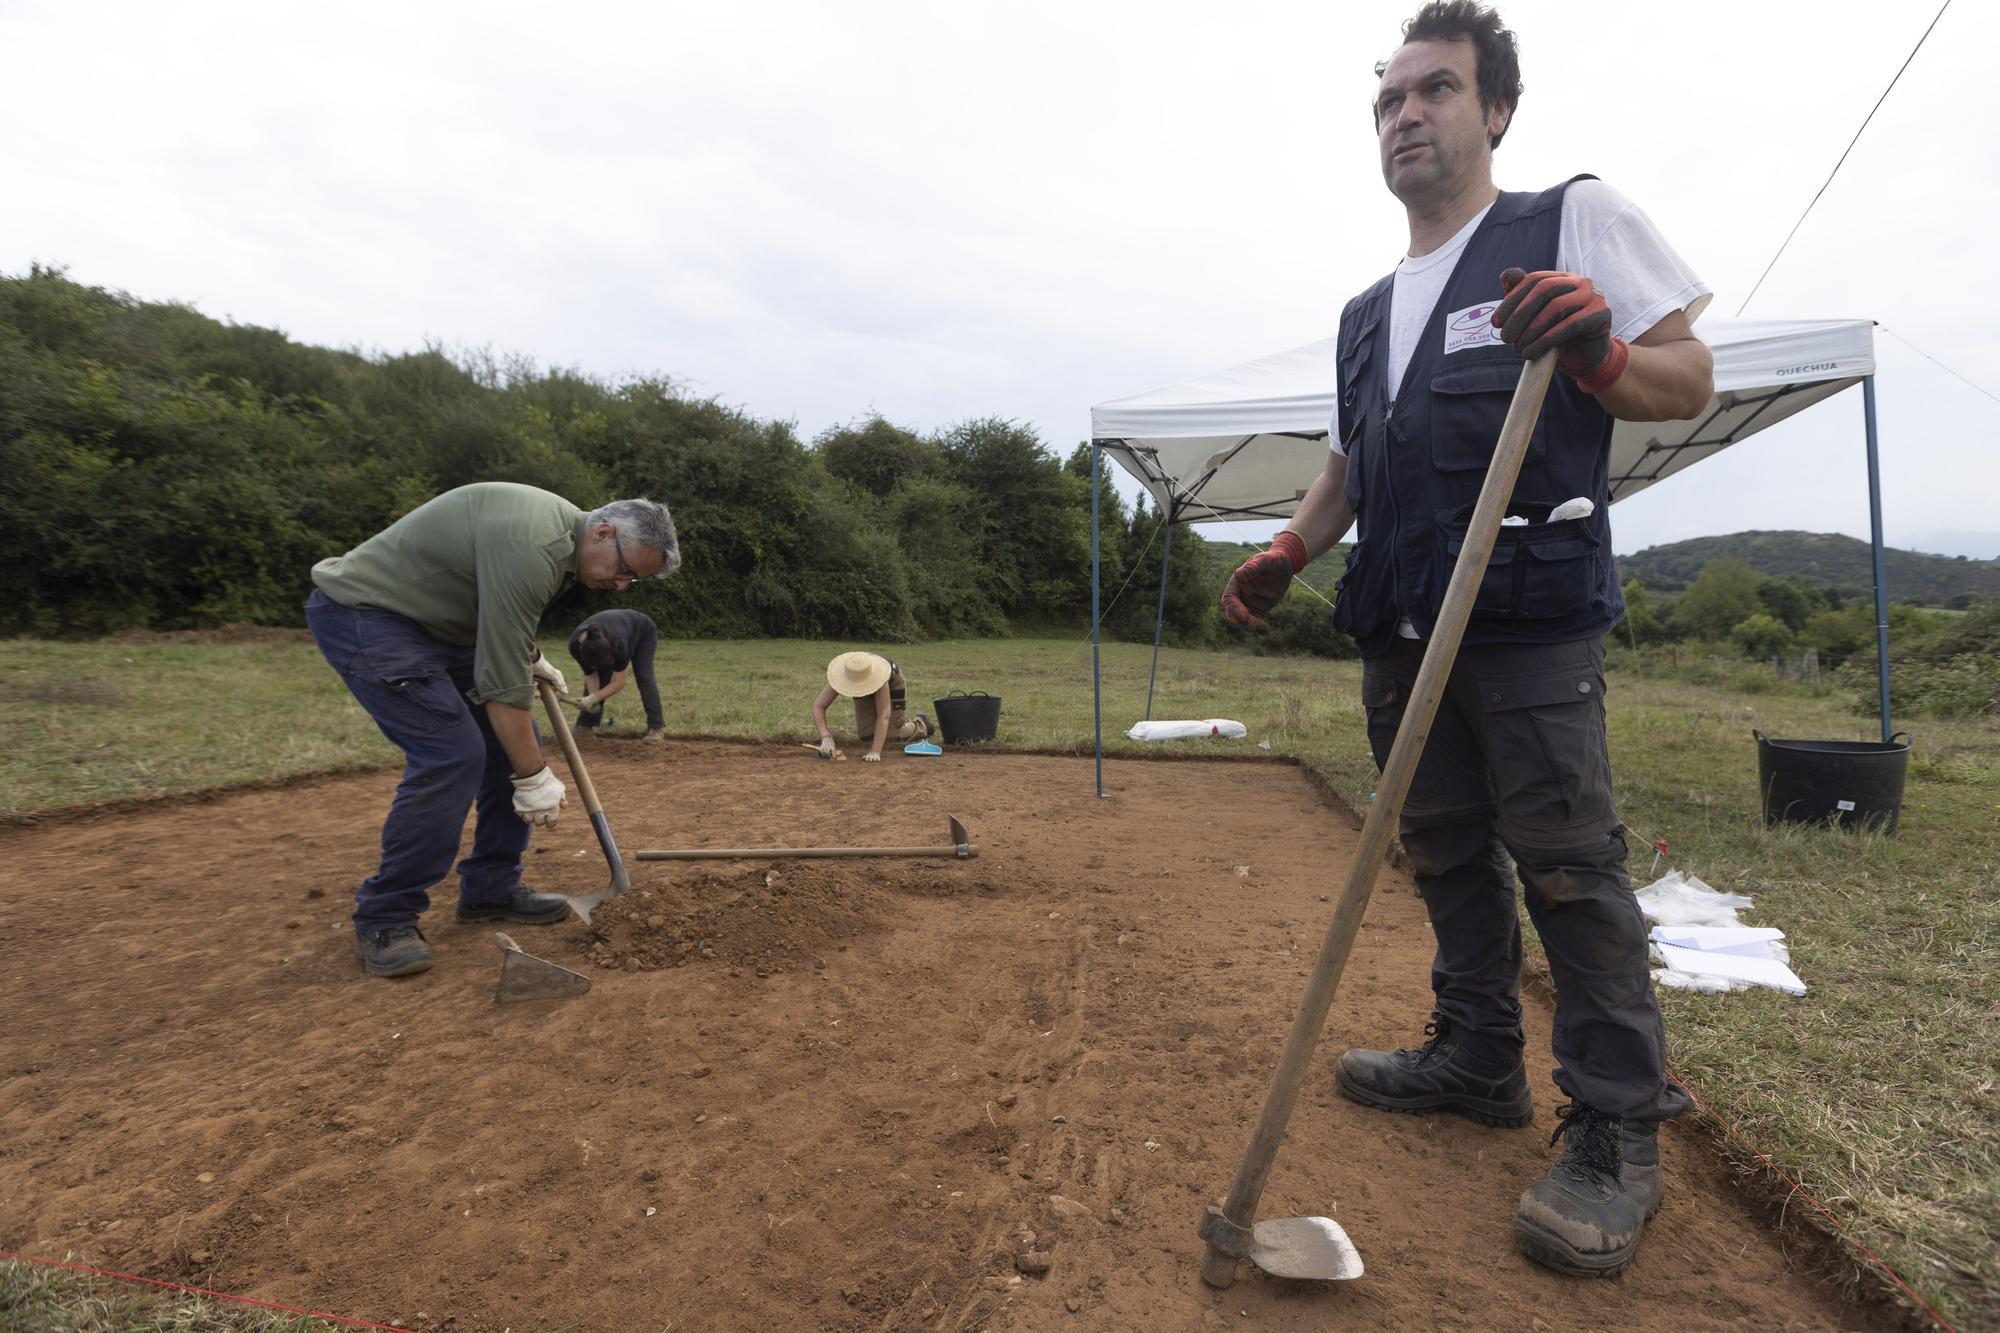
[1471,327]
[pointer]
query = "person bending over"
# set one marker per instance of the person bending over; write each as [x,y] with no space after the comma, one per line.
[431,624]
[877,687]
[610,646]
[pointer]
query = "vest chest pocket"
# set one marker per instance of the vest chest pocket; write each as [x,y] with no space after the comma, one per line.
[1468,405]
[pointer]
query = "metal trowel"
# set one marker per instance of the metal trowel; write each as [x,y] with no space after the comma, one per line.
[526,977]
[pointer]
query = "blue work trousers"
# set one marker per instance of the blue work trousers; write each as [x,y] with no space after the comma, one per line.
[415,688]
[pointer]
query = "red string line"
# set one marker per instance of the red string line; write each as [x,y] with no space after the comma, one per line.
[1806,1194]
[198,1291]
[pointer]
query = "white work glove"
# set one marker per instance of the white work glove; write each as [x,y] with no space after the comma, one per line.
[589,703]
[872,757]
[539,797]
[546,670]
[826,747]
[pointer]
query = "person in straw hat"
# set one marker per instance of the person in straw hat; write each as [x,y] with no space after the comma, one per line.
[876,685]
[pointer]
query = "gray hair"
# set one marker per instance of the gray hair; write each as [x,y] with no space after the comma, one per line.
[644,523]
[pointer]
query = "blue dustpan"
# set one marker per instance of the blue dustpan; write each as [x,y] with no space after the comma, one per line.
[922,747]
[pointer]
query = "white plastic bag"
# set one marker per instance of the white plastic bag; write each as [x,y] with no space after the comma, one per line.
[1702,945]
[1678,899]
[1175,731]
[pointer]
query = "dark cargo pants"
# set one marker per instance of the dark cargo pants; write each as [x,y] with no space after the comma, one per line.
[415,689]
[1516,767]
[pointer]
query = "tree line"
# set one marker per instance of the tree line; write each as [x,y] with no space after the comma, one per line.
[161,469]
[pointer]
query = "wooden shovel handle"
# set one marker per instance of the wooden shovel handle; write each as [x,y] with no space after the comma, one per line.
[552,705]
[1218,1268]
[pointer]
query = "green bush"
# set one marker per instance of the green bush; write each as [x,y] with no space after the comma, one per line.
[1721,597]
[1945,666]
[1762,636]
[161,469]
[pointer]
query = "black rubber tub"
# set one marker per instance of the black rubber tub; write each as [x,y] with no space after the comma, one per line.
[1855,784]
[966,717]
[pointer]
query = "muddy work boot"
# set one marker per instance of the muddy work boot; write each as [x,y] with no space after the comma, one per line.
[393,951]
[1436,1077]
[522,905]
[1584,1217]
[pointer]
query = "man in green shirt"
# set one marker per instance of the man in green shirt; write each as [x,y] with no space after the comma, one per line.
[431,625]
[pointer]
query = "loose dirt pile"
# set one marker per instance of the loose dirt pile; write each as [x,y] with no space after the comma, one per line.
[827,1095]
[768,916]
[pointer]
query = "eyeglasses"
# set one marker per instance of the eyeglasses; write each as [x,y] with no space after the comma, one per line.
[625,571]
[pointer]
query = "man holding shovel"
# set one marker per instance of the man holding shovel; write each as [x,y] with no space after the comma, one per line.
[431,625]
[1515,768]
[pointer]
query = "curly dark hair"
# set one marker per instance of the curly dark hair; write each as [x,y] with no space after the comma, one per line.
[1499,59]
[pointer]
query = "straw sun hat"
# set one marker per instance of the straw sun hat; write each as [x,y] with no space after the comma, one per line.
[856,674]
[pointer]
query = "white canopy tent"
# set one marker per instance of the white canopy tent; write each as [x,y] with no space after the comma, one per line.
[1245,443]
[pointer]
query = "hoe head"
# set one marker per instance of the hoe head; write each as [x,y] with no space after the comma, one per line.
[526,977]
[1313,1248]
[1305,1247]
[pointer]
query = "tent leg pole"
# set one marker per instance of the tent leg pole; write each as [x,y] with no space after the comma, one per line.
[1160,618]
[1875,544]
[1096,582]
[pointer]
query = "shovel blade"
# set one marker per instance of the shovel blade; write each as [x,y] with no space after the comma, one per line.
[1305,1247]
[586,904]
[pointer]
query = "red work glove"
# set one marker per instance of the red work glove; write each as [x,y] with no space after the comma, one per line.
[1261,582]
[1563,312]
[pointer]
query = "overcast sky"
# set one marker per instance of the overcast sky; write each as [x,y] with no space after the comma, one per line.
[817,211]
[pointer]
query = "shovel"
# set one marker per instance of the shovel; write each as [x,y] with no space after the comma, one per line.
[582,906]
[1227,1229]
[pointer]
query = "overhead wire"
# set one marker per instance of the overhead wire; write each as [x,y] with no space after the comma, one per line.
[1970,383]
[1843,157]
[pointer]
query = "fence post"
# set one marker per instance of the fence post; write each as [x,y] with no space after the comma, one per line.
[1809,665]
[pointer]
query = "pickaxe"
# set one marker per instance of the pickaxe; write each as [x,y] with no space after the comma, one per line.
[961,848]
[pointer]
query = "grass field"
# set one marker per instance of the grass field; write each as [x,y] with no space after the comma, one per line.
[1877,1089]
[38,1299]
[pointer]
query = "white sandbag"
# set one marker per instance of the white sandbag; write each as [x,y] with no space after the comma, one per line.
[1176,731]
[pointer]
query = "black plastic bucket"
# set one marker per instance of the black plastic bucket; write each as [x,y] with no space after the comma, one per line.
[1856,784]
[966,717]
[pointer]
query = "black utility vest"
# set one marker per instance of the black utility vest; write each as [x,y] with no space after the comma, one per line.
[1415,465]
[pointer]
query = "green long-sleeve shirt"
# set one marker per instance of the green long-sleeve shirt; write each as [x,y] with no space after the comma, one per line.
[476,567]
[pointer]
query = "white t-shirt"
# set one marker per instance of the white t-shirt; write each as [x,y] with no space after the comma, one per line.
[1604,236]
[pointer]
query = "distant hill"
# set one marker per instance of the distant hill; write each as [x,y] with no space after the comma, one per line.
[1823,558]
[1826,559]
